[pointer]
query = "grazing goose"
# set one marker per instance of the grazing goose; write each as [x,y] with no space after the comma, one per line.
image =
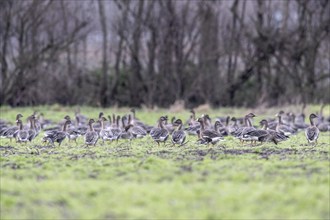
[178,136]
[12,131]
[21,135]
[57,136]
[160,133]
[91,137]
[312,132]
[104,134]
[210,135]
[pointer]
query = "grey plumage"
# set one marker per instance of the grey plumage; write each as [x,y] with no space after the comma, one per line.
[312,132]
[159,134]
[91,137]
[178,136]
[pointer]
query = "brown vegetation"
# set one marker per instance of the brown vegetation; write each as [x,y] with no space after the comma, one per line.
[152,53]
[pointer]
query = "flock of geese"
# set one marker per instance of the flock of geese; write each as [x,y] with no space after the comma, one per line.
[115,127]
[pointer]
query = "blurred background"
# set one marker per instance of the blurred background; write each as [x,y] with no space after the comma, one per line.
[154,53]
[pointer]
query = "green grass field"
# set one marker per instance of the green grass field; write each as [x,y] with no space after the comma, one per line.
[144,181]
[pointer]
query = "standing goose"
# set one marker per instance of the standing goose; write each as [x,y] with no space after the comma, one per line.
[283,128]
[312,132]
[273,136]
[322,124]
[178,136]
[57,136]
[12,131]
[193,124]
[104,134]
[115,130]
[91,136]
[263,135]
[233,128]
[297,124]
[160,134]
[210,135]
[136,130]
[137,123]
[245,129]
[32,131]
[21,135]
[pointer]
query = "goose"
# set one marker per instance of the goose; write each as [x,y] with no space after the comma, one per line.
[137,123]
[312,132]
[57,136]
[233,128]
[33,132]
[322,125]
[247,128]
[115,131]
[104,134]
[178,136]
[283,128]
[137,131]
[210,135]
[126,125]
[91,137]
[223,129]
[12,131]
[21,135]
[274,135]
[297,125]
[207,121]
[200,140]
[160,133]
[261,135]
[43,122]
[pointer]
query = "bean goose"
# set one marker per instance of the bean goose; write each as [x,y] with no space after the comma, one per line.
[160,133]
[178,136]
[91,137]
[312,132]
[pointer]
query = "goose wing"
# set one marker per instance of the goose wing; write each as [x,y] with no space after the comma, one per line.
[138,131]
[178,137]
[91,137]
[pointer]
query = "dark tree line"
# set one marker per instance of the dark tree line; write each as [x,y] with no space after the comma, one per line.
[133,53]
